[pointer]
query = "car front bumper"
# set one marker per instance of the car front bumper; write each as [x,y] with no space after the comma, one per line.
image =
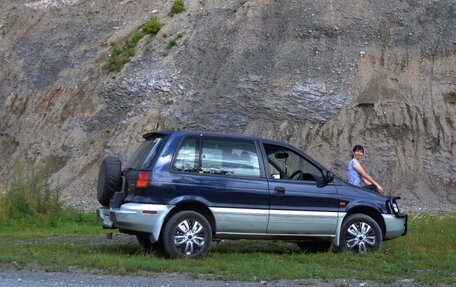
[396,225]
[147,218]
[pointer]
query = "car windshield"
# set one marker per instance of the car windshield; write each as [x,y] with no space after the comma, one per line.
[143,154]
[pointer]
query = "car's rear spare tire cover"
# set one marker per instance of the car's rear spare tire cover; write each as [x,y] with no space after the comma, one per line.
[109,179]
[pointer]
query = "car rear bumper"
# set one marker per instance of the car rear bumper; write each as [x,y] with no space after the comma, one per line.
[135,217]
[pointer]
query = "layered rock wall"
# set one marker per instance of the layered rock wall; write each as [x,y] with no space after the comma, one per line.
[323,75]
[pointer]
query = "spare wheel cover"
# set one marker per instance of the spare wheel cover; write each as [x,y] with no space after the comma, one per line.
[109,179]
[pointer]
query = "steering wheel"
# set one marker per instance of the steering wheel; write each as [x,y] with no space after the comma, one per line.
[295,174]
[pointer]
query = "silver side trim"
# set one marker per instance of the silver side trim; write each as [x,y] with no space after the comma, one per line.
[224,210]
[264,221]
[274,234]
[340,219]
[302,222]
[304,213]
[240,219]
[250,211]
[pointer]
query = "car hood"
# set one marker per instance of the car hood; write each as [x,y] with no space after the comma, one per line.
[343,187]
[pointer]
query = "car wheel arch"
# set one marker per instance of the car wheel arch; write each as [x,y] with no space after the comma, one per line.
[192,205]
[371,212]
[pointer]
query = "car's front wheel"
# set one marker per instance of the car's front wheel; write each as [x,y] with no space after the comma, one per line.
[360,233]
[187,234]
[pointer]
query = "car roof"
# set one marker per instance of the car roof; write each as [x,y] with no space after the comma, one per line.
[213,134]
[229,135]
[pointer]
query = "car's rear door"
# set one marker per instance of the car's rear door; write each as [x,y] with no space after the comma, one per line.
[226,174]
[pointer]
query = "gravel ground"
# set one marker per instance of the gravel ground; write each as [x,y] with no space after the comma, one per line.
[27,278]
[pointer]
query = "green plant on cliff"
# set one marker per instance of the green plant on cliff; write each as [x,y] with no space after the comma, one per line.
[153,26]
[121,55]
[450,97]
[178,7]
[173,42]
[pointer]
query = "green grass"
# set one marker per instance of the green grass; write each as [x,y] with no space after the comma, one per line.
[29,197]
[67,222]
[426,254]
[37,229]
[121,55]
[29,208]
[177,7]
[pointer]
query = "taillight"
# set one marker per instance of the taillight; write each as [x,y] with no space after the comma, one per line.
[143,179]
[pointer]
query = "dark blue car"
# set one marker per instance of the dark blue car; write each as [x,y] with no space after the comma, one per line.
[180,191]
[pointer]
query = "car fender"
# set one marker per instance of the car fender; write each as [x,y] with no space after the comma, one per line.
[189,198]
[194,203]
[353,207]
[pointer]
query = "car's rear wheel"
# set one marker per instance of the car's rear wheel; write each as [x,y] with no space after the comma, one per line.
[187,234]
[109,179]
[360,233]
[146,243]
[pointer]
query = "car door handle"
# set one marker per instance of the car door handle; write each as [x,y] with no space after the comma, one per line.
[279,190]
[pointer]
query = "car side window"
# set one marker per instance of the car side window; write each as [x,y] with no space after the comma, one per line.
[286,164]
[229,157]
[186,158]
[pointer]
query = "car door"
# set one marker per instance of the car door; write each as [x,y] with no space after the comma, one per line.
[300,203]
[227,175]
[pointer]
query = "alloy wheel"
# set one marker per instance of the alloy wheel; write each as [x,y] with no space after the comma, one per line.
[360,237]
[189,237]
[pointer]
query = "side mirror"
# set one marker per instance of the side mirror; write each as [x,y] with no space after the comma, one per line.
[275,176]
[328,177]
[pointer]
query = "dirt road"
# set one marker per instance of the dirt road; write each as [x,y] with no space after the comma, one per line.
[26,278]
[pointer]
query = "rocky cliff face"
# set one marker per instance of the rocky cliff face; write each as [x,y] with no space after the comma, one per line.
[323,75]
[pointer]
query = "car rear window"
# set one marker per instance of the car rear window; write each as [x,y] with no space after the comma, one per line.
[144,154]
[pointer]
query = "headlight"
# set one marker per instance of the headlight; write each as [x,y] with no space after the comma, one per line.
[394,207]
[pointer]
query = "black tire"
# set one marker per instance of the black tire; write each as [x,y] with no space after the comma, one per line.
[187,234]
[360,233]
[147,245]
[109,179]
[144,241]
[314,246]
